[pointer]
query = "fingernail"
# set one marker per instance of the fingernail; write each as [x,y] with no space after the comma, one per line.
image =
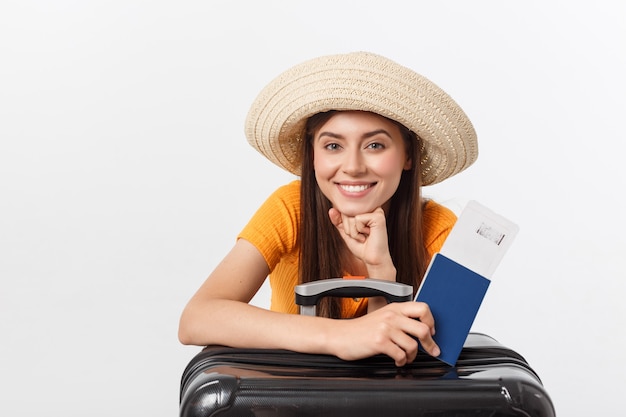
[436,351]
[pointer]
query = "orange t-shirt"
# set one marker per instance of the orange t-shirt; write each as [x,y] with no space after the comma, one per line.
[274,229]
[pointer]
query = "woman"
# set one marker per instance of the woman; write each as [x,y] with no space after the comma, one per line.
[364,134]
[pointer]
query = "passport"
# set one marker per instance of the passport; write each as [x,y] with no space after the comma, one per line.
[459,275]
[454,294]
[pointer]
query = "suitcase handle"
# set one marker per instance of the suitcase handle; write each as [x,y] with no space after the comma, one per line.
[309,294]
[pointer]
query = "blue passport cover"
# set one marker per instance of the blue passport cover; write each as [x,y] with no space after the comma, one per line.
[454,294]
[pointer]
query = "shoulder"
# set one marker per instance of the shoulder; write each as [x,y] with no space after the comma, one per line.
[274,228]
[282,204]
[284,201]
[437,213]
[438,221]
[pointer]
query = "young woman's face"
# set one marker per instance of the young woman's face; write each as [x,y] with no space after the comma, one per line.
[358,159]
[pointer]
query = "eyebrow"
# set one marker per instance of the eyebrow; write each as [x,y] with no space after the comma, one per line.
[365,136]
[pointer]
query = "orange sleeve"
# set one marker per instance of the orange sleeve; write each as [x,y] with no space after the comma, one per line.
[438,222]
[273,228]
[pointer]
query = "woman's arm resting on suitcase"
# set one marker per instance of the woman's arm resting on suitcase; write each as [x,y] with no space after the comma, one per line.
[219,313]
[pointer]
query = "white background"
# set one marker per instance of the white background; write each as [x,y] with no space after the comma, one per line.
[125,177]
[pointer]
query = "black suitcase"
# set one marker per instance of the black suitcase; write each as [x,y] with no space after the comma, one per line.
[488,380]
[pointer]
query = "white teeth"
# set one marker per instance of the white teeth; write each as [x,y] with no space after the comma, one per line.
[354,188]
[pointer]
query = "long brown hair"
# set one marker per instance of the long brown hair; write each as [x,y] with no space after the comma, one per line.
[321,244]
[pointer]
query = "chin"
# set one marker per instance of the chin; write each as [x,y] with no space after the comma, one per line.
[353,210]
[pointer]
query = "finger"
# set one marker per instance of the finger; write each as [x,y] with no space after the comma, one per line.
[423,328]
[407,344]
[361,225]
[351,228]
[396,353]
[335,217]
[348,224]
[340,221]
[423,333]
[421,311]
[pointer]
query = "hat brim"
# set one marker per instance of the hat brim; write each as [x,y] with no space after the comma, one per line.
[367,82]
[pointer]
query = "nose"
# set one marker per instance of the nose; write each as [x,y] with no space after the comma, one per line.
[354,163]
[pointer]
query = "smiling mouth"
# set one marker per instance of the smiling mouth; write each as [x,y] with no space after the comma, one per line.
[355,188]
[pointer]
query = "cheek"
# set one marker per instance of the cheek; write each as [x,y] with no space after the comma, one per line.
[322,164]
[391,167]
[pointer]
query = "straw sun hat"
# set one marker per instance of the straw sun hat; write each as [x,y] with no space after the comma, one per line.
[368,82]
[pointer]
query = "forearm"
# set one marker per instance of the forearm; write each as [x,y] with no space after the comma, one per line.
[237,324]
[391,331]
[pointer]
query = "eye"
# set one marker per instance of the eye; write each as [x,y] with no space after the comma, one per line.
[331,146]
[375,145]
